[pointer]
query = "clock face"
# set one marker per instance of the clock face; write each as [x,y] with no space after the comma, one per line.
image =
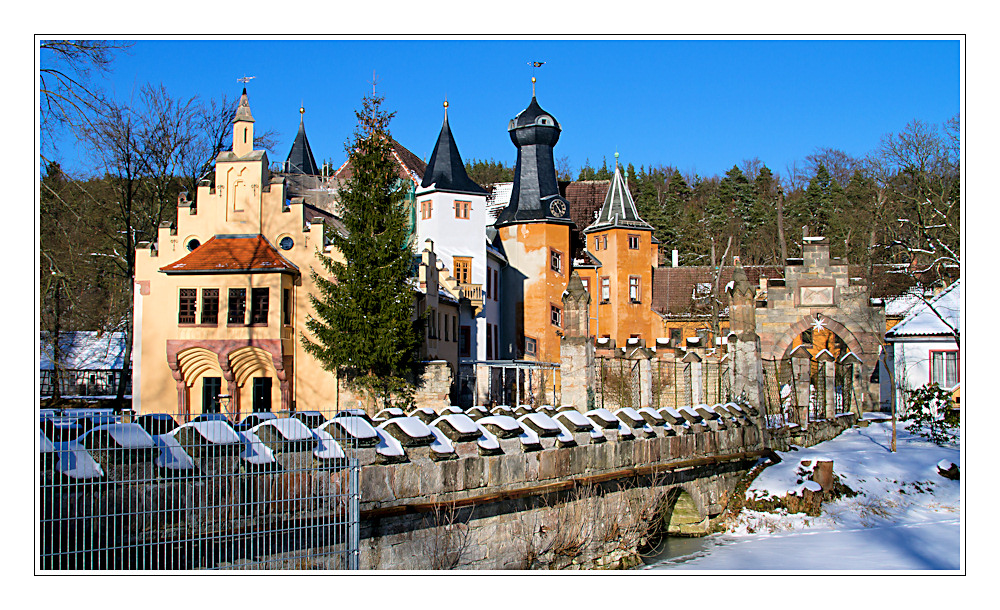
[558,208]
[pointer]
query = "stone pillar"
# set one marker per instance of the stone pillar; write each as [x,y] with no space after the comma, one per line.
[857,385]
[826,363]
[801,360]
[644,357]
[576,348]
[694,379]
[748,373]
[483,380]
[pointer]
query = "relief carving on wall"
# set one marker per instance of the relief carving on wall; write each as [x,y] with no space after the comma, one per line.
[815,296]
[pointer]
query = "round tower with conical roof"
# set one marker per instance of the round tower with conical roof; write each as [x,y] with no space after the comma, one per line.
[534,229]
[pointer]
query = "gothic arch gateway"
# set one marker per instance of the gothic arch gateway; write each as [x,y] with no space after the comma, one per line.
[817,292]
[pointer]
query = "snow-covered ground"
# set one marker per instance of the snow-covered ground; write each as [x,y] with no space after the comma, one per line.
[905,517]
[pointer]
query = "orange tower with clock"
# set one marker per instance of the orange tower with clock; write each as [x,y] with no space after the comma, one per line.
[534,230]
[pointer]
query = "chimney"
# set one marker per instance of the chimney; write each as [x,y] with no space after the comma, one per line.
[674,259]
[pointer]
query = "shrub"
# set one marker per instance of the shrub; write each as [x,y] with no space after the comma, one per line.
[930,414]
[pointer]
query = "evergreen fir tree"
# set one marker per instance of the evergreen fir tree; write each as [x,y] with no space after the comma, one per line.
[362,323]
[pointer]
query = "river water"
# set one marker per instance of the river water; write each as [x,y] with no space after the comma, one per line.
[676,550]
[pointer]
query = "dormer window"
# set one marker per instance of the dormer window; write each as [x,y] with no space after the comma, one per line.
[544,120]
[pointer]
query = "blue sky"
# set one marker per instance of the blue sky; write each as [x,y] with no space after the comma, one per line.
[699,105]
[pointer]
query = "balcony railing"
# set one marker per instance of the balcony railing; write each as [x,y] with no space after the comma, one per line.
[473,292]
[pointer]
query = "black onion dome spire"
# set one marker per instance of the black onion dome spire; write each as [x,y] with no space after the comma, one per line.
[445,170]
[300,158]
[535,194]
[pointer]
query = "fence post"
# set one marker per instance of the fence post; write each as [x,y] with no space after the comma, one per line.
[354,516]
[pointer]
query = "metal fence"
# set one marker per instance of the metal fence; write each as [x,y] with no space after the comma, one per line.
[74,382]
[154,492]
[674,383]
[509,382]
[792,398]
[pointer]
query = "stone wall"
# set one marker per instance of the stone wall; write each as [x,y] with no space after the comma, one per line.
[470,512]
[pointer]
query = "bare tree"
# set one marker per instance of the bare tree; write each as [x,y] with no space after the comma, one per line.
[67,95]
[918,173]
[838,163]
[717,270]
[139,148]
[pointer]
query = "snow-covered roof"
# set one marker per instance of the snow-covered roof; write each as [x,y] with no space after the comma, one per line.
[902,304]
[85,350]
[923,321]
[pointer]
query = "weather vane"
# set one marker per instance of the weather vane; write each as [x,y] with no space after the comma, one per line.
[534,64]
[245,80]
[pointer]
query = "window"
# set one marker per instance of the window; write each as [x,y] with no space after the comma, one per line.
[633,242]
[555,314]
[237,306]
[807,336]
[489,342]
[586,283]
[188,306]
[496,285]
[555,260]
[489,283]
[944,369]
[425,209]
[286,243]
[604,242]
[464,341]
[462,209]
[210,306]
[454,328]
[496,341]
[192,244]
[633,289]
[463,269]
[286,306]
[530,346]
[675,337]
[605,289]
[445,327]
[258,305]
[597,243]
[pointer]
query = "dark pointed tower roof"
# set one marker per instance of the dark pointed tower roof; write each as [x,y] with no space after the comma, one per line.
[618,210]
[300,158]
[445,170]
[535,194]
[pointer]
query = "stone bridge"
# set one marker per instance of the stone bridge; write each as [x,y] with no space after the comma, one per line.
[585,498]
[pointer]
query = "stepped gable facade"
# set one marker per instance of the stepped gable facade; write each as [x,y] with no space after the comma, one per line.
[222,296]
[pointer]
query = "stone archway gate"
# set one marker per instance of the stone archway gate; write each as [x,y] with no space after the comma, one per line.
[817,293]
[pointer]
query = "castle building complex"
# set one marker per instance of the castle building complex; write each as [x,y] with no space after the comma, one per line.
[222,297]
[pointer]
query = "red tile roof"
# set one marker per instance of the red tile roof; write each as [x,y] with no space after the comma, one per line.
[408,165]
[233,254]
